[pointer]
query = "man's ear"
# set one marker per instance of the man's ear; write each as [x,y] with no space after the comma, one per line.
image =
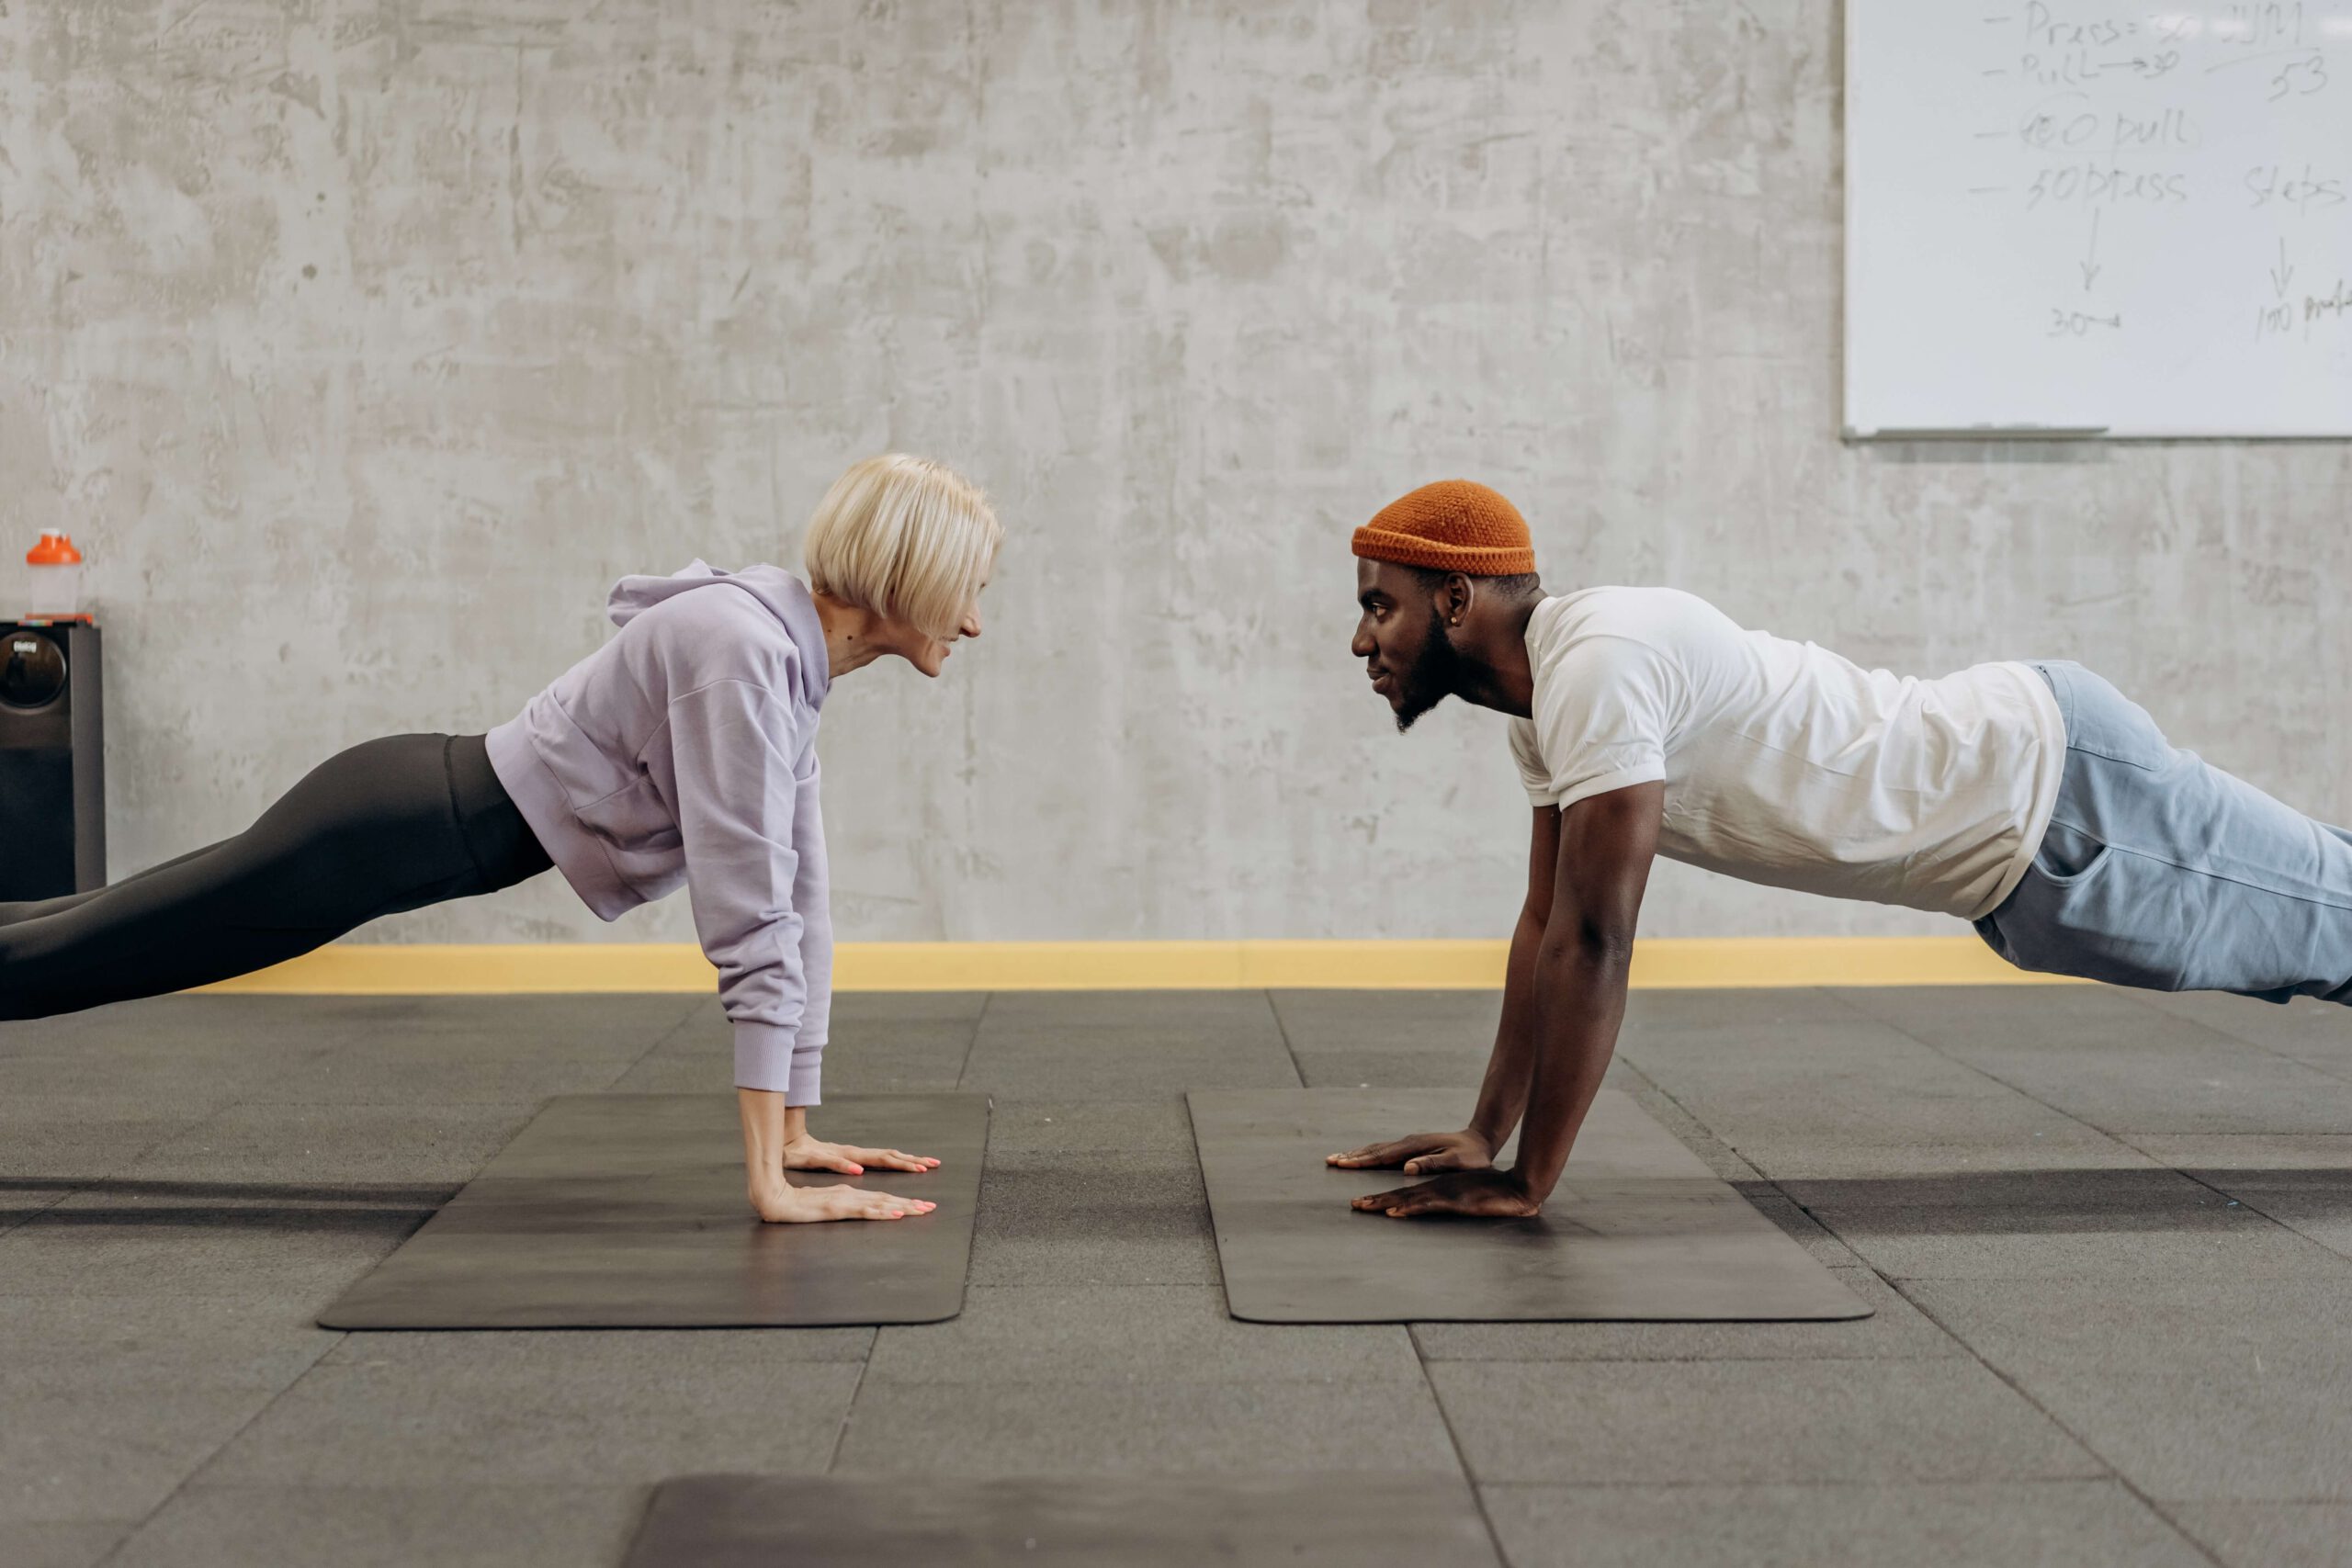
[1454,598]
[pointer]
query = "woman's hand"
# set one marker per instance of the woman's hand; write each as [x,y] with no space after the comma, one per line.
[805,1153]
[1482,1195]
[780,1204]
[1420,1154]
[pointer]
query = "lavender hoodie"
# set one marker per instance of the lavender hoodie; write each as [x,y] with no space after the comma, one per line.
[684,751]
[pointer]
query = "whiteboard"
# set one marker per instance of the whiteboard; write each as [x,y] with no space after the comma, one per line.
[2121,219]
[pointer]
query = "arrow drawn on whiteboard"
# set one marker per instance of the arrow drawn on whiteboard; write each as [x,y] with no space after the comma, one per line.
[2089,264]
[2282,274]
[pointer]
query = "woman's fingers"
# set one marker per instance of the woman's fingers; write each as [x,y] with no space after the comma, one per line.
[892,1159]
[855,1203]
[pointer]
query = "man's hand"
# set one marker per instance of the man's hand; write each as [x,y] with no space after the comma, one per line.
[780,1204]
[1419,1154]
[1483,1194]
[805,1153]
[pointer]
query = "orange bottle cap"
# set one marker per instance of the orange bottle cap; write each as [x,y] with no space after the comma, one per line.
[54,549]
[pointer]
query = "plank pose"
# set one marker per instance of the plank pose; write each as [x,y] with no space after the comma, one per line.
[681,753]
[2033,799]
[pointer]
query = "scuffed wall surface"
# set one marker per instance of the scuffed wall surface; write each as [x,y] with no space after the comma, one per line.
[362,345]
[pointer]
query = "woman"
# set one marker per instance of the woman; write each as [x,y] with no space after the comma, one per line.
[682,750]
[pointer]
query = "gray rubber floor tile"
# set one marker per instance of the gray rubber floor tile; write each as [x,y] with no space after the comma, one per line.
[854,1010]
[1856,1096]
[611,1026]
[555,1353]
[2049,1524]
[1375,1020]
[2205,1386]
[1125,1335]
[63,1138]
[1061,1429]
[388,1527]
[1214,1014]
[1896,1330]
[1127,1045]
[407,1152]
[708,1071]
[1383,1520]
[1809,1232]
[2272,1535]
[252,1247]
[1092,1217]
[2313,1031]
[1746,1423]
[83,1455]
[619,1412]
[1156,1131]
[2301,1180]
[2116,1224]
[1123,1065]
[375,1072]
[1464,1070]
[2119,1065]
[1737,1012]
[108,1343]
[62,1545]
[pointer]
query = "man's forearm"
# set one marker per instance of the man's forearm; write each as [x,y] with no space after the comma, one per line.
[1580,1002]
[1502,1097]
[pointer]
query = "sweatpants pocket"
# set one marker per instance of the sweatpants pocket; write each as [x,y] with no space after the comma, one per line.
[2116,920]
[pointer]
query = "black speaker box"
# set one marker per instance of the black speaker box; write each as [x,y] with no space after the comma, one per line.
[52,764]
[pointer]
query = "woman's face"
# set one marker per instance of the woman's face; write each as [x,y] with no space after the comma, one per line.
[928,653]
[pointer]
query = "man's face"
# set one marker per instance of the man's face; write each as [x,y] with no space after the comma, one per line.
[1401,639]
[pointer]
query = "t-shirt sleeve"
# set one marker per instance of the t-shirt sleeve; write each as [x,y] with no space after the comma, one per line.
[1528,752]
[1601,720]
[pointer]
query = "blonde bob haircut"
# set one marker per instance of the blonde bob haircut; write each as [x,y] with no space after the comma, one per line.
[905,537]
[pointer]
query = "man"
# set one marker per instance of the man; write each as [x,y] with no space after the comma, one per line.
[2034,800]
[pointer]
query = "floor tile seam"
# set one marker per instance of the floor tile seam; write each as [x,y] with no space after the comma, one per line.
[2223,1033]
[1281,1028]
[2078,1438]
[1791,1359]
[1461,1454]
[659,1040]
[266,1405]
[1669,1096]
[2235,1200]
[849,1407]
[1809,1483]
[972,1041]
[2123,1139]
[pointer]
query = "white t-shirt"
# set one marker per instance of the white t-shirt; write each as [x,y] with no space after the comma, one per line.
[1786,764]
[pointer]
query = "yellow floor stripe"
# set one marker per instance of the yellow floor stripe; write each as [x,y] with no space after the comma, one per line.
[1662,963]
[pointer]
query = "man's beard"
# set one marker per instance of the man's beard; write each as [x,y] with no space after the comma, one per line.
[1432,678]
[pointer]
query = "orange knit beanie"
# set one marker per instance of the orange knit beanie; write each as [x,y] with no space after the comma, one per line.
[1451,525]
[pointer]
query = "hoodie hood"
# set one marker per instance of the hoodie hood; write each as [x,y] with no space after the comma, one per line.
[779,592]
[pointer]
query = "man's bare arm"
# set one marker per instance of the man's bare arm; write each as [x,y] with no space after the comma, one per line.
[1503,1096]
[1576,994]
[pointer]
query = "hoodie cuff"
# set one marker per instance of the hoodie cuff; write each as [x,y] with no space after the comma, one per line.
[764,1059]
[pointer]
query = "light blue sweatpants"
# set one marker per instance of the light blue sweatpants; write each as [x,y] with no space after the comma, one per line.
[2161,871]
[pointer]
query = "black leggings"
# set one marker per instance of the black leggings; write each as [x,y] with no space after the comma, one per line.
[390,824]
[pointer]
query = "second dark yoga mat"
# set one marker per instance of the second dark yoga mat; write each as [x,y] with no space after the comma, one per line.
[626,1211]
[1639,1229]
[922,1521]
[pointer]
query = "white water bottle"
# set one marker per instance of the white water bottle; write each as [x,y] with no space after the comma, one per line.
[56,576]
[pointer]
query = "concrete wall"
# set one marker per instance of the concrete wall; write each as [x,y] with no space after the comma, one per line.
[361,345]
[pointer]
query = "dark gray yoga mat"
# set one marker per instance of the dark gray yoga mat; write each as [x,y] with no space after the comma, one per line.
[917,1521]
[626,1211]
[1639,1229]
